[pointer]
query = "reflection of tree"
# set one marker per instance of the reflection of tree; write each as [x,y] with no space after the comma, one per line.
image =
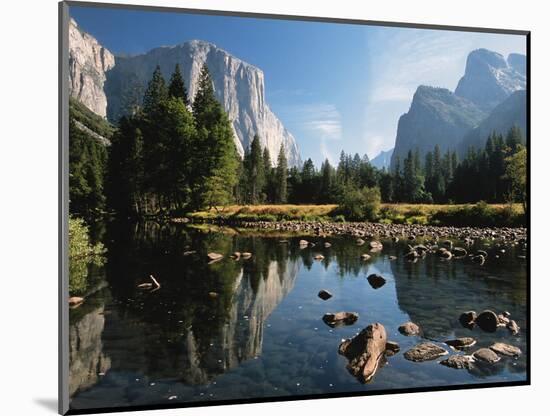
[206,318]
[84,254]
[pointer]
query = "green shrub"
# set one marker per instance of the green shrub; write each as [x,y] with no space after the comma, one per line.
[339,218]
[359,205]
[82,253]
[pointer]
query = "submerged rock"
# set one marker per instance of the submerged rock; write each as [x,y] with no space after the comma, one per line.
[513,327]
[505,349]
[189,252]
[467,319]
[246,255]
[318,257]
[327,244]
[324,294]
[409,329]
[360,241]
[486,355]
[392,348]
[458,361]
[376,281]
[461,343]
[365,256]
[487,321]
[335,320]
[424,352]
[365,351]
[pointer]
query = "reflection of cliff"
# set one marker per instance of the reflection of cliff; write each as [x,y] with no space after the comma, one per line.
[204,347]
[86,357]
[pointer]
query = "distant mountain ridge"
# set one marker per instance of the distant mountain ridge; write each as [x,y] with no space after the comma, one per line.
[489,97]
[382,160]
[109,85]
[436,116]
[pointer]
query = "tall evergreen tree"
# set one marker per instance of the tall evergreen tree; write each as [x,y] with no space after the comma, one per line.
[281,177]
[176,88]
[256,171]
[327,186]
[215,162]
[156,92]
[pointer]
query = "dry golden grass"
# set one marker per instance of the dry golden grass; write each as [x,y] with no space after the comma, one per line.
[287,209]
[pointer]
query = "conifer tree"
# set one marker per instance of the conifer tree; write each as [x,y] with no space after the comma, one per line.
[176,88]
[156,92]
[215,160]
[281,177]
[256,171]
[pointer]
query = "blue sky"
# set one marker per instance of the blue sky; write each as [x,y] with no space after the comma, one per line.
[334,86]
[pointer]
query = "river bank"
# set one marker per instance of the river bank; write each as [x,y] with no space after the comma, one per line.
[462,215]
[367,230]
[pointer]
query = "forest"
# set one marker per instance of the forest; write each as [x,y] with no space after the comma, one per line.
[171,157]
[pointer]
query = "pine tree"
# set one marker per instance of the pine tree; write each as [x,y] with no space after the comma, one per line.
[156,93]
[309,185]
[255,169]
[281,177]
[213,173]
[328,179]
[177,89]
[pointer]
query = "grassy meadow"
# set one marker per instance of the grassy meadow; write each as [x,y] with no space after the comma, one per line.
[480,214]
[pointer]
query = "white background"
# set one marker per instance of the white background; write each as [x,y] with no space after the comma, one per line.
[28,205]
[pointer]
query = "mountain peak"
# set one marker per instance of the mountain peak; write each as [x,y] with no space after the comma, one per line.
[489,78]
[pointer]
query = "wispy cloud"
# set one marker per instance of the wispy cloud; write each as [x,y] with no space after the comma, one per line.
[321,119]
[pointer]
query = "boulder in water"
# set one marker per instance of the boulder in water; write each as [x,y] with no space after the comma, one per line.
[365,351]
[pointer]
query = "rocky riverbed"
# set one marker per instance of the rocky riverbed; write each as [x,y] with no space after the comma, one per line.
[394,231]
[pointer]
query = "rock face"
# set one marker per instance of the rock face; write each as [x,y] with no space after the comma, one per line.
[512,111]
[88,64]
[435,113]
[489,79]
[238,85]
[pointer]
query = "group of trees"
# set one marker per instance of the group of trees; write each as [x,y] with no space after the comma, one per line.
[169,155]
[491,174]
[259,181]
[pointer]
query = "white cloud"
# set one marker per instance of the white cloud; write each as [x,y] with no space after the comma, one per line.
[321,119]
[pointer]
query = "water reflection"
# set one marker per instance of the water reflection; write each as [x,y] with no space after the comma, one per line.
[252,328]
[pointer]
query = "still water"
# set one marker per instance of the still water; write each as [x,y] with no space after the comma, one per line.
[261,333]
